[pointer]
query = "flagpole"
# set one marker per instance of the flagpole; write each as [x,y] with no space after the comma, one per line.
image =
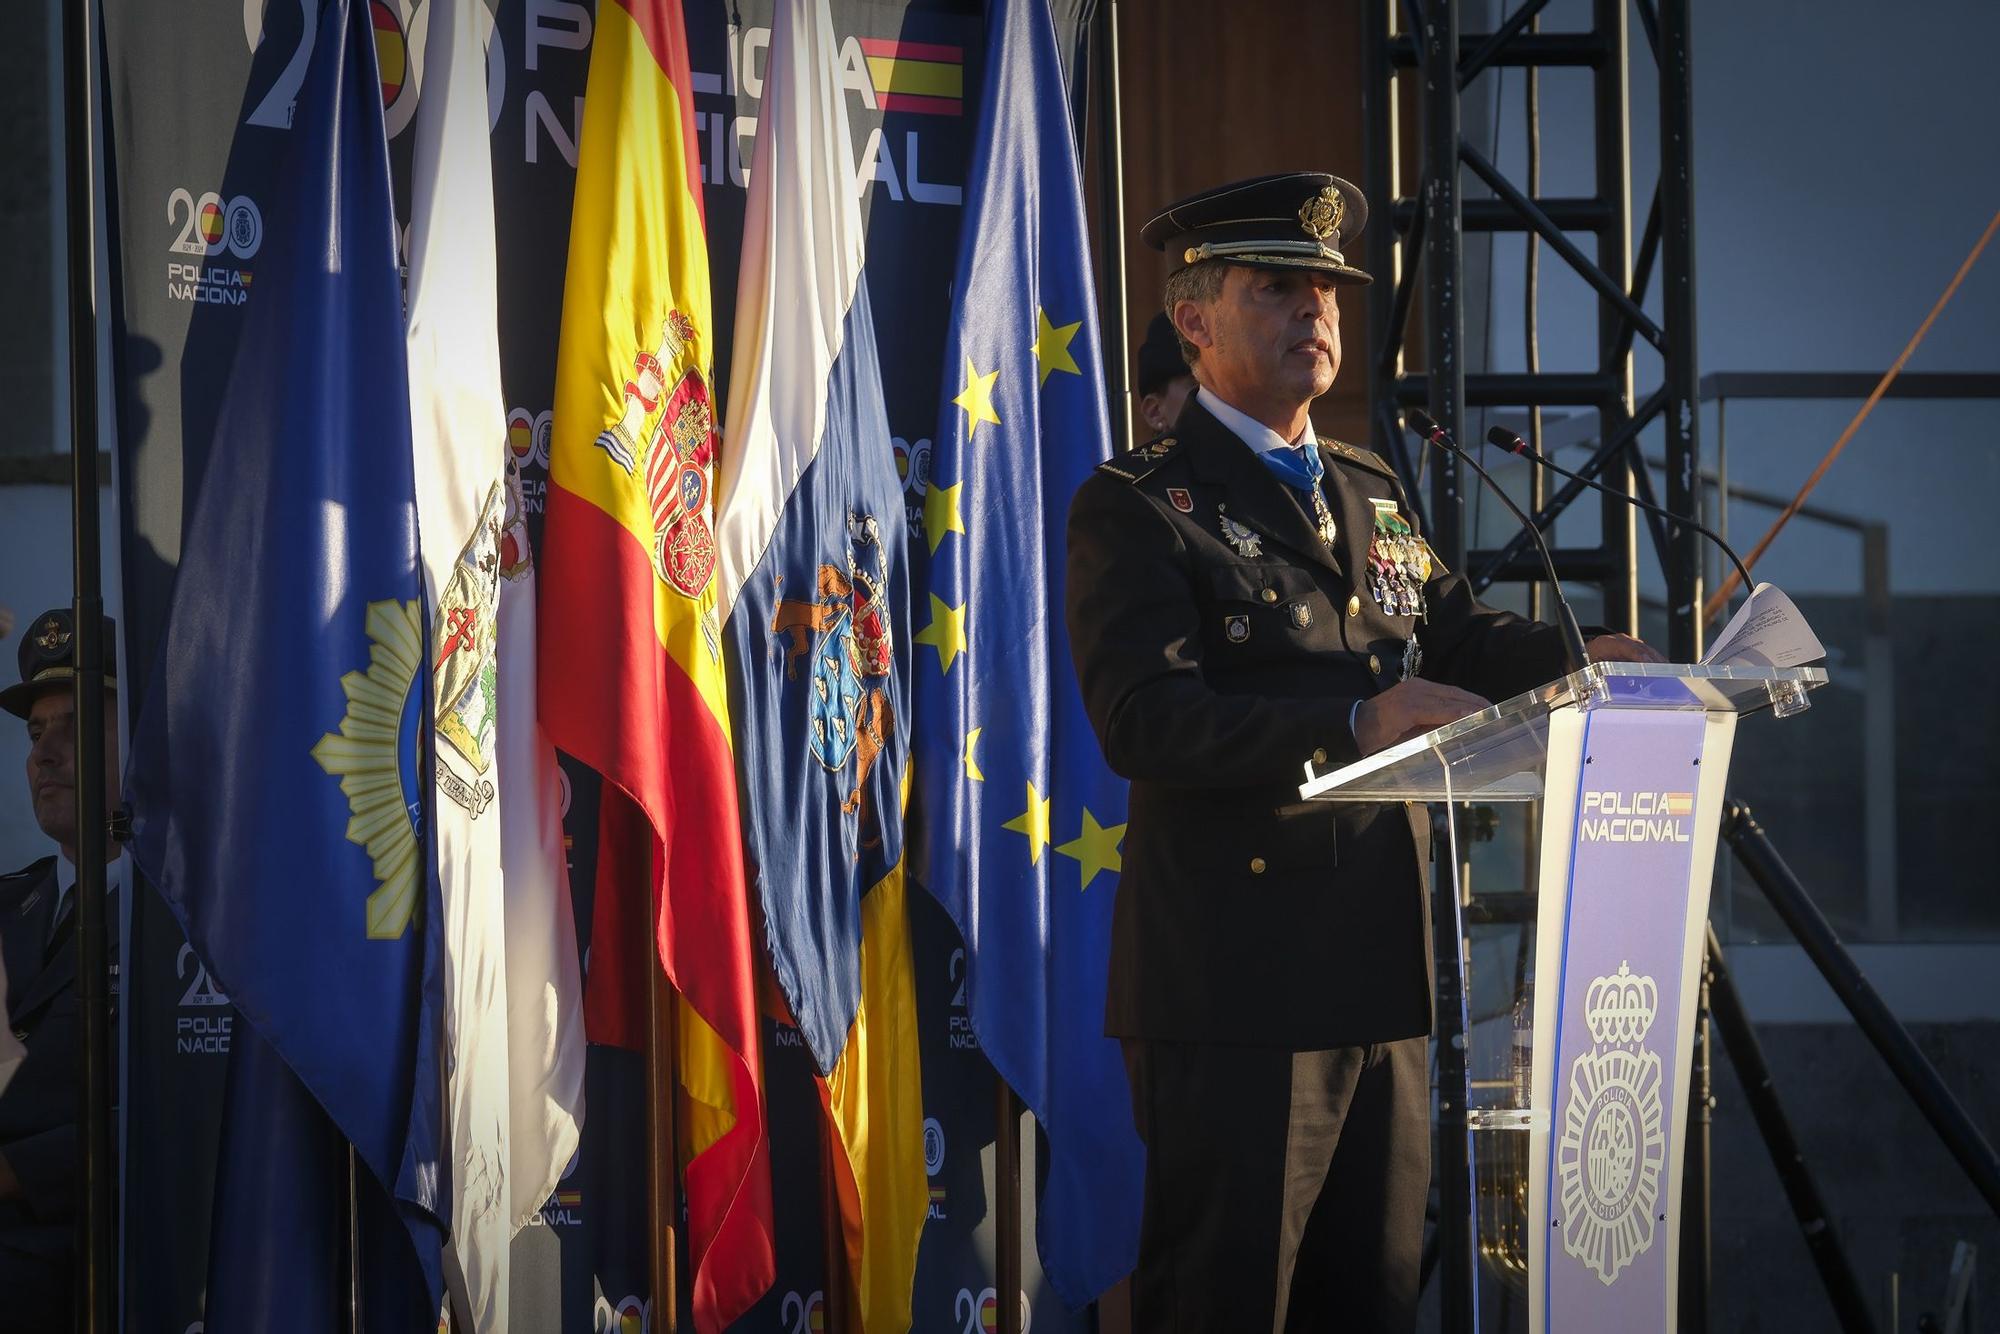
[350,1261]
[1007,1209]
[96,1258]
[663,1205]
[841,1300]
[1111,210]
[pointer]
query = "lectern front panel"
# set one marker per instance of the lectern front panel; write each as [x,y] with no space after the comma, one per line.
[1626,867]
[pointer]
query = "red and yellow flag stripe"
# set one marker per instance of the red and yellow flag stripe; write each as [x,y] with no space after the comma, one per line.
[923,77]
[631,673]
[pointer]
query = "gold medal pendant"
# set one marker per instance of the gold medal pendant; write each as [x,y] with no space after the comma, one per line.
[1323,518]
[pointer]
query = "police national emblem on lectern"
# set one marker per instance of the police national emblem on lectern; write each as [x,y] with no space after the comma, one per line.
[1614,1147]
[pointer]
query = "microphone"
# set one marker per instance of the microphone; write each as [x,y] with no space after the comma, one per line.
[1514,444]
[1572,634]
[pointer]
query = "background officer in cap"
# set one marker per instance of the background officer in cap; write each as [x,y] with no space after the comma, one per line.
[38,1111]
[1163,381]
[1245,599]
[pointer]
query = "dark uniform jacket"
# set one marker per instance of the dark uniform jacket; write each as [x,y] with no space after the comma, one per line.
[1212,676]
[38,1108]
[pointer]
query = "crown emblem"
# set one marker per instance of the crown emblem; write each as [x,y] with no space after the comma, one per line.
[1319,217]
[54,635]
[1620,1008]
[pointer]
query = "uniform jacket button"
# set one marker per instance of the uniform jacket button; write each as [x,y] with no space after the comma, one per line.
[1319,755]
[1270,595]
[1256,866]
[1354,605]
[1374,664]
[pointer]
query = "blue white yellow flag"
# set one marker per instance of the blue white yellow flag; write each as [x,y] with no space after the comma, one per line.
[1019,823]
[814,571]
[814,589]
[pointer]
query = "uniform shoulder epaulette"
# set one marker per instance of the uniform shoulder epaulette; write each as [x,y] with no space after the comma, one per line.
[17,888]
[32,869]
[1140,461]
[1365,458]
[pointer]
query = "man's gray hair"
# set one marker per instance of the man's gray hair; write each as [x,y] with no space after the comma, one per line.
[1200,283]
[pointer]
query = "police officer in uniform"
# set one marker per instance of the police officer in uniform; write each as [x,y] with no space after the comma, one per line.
[38,1108]
[1245,598]
[1163,382]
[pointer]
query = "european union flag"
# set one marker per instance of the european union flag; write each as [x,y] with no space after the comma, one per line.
[281,777]
[1021,822]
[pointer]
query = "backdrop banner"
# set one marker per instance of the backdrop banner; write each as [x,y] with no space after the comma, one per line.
[199,102]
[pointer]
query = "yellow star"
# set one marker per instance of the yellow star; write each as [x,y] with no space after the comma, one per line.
[977,398]
[1096,848]
[1052,345]
[941,514]
[1034,822]
[946,632]
[972,765]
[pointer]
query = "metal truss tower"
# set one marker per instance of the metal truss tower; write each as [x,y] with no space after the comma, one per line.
[1422,249]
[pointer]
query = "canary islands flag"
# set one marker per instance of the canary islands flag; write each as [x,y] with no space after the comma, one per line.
[1019,822]
[281,781]
[815,591]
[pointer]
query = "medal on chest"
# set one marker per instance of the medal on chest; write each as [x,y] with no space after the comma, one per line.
[1323,517]
[1315,469]
[1399,562]
[1243,540]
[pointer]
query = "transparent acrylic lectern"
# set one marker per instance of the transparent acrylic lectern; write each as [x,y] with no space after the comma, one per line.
[1629,760]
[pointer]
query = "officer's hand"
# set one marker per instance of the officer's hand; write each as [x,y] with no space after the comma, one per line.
[1622,648]
[1409,709]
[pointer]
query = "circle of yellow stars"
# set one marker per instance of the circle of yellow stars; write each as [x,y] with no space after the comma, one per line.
[1095,849]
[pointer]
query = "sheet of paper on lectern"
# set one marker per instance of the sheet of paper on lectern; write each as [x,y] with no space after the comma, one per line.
[1767,631]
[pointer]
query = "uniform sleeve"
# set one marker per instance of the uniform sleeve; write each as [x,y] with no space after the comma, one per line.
[1135,636]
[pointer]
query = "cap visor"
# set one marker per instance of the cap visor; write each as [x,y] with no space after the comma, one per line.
[19,699]
[1345,275]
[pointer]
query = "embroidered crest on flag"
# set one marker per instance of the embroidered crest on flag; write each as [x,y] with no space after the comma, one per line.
[465,634]
[847,632]
[374,755]
[668,429]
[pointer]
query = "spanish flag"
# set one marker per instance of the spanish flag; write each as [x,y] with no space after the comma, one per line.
[631,674]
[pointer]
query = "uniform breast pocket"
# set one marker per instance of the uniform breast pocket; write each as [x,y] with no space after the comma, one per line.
[1263,609]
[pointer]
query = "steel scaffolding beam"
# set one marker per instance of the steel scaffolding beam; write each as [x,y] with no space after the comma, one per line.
[1418,262]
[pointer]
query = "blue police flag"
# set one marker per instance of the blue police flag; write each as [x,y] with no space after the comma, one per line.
[281,774]
[1019,822]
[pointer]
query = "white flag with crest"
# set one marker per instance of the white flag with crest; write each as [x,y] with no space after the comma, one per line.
[513,1013]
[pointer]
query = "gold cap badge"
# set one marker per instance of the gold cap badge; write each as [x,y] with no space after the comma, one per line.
[1319,217]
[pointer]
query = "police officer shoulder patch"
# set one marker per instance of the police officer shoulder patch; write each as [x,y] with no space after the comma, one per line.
[1140,462]
[1364,458]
